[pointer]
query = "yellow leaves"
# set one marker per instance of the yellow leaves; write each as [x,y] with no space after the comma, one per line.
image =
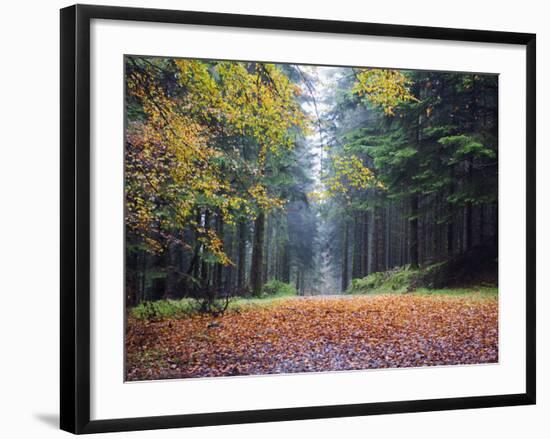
[349,173]
[263,200]
[358,175]
[252,99]
[384,88]
[214,244]
[168,159]
[177,160]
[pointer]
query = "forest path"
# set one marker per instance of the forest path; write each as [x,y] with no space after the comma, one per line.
[317,333]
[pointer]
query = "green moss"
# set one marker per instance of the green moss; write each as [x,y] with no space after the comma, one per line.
[397,280]
[405,280]
[276,288]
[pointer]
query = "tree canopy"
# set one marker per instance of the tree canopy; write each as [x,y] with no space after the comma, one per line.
[238,173]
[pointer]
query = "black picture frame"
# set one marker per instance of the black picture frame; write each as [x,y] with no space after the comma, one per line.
[75,217]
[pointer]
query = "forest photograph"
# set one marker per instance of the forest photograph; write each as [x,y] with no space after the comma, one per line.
[289,218]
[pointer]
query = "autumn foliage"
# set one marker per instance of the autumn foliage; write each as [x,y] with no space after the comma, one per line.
[316,334]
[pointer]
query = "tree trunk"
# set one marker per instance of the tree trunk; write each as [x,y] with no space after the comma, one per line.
[241,255]
[468,213]
[219,267]
[450,238]
[228,278]
[132,277]
[365,246]
[142,295]
[345,257]
[267,248]
[413,240]
[482,224]
[285,269]
[387,239]
[356,255]
[204,265]
[172,272]
[380,238]
[257,254]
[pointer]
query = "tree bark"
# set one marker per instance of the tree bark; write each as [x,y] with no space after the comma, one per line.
[345,245]
[413,240]
[356,255]
[241,255]
[450,220]
[204,266]
[172,271]
[267,249]
[257,254]
[468,213]
[285,269]
[218,273]
[365,246]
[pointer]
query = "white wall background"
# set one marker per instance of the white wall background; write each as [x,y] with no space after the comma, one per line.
[29,206]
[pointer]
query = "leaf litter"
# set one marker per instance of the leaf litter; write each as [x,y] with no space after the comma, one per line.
[315,334]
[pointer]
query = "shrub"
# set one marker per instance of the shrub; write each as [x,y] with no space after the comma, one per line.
[370,282]
[478,266]
[399,279]
[277,288]
[164,309]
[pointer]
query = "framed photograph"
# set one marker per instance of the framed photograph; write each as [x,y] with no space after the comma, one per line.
[268,218]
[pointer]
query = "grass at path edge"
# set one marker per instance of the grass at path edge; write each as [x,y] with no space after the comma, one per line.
[182,308]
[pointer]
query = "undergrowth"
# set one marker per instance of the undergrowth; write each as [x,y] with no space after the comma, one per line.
[417,281]
[272,292]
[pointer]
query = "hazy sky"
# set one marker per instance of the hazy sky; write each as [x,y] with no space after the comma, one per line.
[320,89]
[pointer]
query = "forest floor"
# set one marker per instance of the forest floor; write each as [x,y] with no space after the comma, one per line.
[318,333]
